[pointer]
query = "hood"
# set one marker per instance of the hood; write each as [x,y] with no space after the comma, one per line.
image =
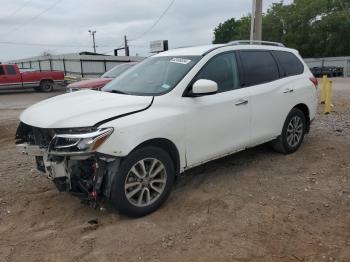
[82,109]
[91,83]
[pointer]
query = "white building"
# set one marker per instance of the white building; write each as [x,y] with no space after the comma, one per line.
[84,64]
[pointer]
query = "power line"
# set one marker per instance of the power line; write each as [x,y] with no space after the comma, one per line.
[32,18]
[19,9]
[45,45]
[106,52]
[155,23]
[68,45]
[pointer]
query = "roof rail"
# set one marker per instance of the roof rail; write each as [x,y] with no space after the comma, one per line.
[252,42]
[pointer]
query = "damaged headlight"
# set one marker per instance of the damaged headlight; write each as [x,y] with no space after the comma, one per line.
[81,142]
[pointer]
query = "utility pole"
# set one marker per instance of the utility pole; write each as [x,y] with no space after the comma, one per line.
[93,39]
[126,47]
[256,21]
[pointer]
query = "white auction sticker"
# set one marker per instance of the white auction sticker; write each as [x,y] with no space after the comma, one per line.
[180,60]
[165,86]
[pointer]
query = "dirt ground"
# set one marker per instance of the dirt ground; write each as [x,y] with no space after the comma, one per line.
[256,205]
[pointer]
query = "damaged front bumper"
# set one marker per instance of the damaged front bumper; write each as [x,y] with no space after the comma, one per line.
[54,163]
[87,175]
[70,159]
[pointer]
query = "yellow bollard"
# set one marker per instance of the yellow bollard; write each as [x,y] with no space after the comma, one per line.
[327,109]
[324,89]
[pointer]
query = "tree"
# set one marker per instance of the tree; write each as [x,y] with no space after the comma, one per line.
[226,31]
[232,30]
[316,28]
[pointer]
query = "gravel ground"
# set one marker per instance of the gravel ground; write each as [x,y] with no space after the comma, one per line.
[256,205]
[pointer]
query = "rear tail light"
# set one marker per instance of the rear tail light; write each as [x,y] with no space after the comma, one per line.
[314,81]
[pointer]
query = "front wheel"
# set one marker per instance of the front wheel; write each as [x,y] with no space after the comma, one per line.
[293,132]
[143,181]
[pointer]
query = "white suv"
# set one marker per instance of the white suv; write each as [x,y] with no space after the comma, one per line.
[174,111]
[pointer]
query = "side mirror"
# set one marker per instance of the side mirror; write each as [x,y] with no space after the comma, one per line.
[204,87]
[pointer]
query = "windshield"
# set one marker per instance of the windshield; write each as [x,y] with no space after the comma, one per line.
[154,76]
[117,70]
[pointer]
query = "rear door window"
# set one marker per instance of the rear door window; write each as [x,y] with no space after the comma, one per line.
[260,67]
[290,64]
[2,72]
[10,70]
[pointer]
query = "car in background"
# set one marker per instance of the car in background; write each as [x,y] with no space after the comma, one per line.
[12,78]
[330,71]
[98,83]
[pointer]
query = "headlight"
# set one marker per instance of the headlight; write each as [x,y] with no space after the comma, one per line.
[80,143]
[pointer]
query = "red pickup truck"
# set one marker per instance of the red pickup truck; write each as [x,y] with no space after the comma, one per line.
[12,78]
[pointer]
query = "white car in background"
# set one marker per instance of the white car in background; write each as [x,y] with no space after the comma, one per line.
[173,111]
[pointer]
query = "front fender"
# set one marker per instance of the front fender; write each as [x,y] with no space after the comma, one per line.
[164,122]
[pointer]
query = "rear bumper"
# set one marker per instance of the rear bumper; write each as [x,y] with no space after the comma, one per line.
[61,82]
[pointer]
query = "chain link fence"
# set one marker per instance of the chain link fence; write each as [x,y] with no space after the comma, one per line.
[342,62]
[84,66]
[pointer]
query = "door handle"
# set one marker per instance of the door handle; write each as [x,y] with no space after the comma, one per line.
[241,101]
[288,90]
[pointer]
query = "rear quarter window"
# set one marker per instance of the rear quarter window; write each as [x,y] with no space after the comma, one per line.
[259,66]
[290,64]
[2,72]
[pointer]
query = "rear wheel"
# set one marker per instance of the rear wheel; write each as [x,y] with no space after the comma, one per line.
[292,133]
[46,86]
[143,181]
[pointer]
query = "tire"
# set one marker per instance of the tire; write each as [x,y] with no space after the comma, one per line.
[46,86]
[130,183]
[293,132]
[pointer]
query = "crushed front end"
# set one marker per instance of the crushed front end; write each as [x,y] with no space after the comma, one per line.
[70,160]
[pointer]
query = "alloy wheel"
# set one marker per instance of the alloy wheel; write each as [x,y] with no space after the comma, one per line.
[295,131]
[145,182]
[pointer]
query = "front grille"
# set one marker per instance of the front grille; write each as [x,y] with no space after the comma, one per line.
[33,135]
[42,136]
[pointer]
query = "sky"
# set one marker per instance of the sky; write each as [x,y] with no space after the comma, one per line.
[31,27]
